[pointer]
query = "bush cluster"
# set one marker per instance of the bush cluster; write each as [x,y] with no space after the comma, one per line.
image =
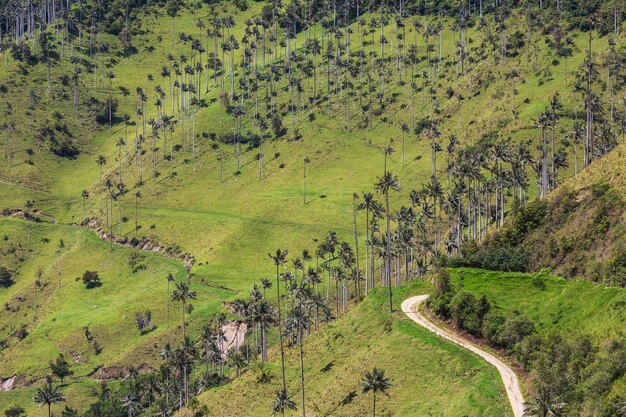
[575,372]
[476,315]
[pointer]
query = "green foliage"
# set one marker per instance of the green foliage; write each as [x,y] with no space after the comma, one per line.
[136,261]
[14,411]
[61,368]
[6,277]
[494,257]
[476,316]
[91,279]
[528,219]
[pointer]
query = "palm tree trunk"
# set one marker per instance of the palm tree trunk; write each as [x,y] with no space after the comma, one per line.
[356,247]
[301,369]
[280,333]
[387,258]
[374,414]
[183,315]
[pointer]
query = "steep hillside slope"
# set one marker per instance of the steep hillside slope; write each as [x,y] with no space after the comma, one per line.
[336,357]
[429,376]
[578,232]
[220,158]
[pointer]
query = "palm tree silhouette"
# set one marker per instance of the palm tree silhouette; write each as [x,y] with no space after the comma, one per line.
[283,402]
[48,395]
[299,320]
[375,381]
[262,313]
[367,204]
[85,195]
[280,258]
[101,161]
[183,294]
[384,184]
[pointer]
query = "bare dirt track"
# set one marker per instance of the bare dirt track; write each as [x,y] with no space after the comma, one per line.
[410,307]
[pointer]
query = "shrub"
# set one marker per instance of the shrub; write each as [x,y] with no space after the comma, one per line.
[515,330]
[14,411]
[61,368]
[6,277]
[462,309]
[91,279]
[144,321]
[527,219]
[493,323]
[504,258]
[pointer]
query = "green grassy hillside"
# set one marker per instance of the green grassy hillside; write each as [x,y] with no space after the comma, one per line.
[429,376]
[414,357]
[203,202]
[578,232]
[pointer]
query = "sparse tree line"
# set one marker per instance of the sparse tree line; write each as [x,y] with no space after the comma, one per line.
[570,375]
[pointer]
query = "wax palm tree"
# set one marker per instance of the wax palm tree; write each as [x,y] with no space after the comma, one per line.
[404,128]
[120,144]
[376,382]
[384,185]
[283,402]
[48,395]
[388,150]
[576,134]
[265,284]
[367,204]
[299,320]
[137,197]
[280,258]
[101,161]
[263,314]
[183,294]
[131,402]
[85,195]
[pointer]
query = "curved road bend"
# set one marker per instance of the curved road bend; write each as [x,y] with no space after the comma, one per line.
[410,307]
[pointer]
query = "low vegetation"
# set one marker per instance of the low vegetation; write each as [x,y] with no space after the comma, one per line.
[572,371]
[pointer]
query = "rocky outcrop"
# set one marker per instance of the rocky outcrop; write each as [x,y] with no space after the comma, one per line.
[234,335]
[7,384]
[147,244]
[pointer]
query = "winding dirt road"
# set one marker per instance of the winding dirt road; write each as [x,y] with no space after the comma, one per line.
[410,307]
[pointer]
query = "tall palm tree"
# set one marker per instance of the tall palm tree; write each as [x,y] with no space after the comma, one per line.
[355,198]
[280,258]
[183,294]
[404,128]
[101,160]
[368,205]
[137,197]
[299,320]
[383,186]
[306,161]
[262,313]
[130,401]
[48,395]
[375,382]
[85,195]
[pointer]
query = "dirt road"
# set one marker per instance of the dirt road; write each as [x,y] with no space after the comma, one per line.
[410,307]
